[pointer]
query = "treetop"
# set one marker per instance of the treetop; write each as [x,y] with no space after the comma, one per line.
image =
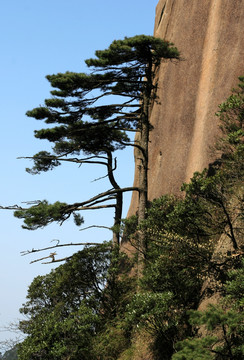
[139,48]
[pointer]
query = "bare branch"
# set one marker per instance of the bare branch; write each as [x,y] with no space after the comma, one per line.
[58,241]
[17,207]
[100,178]
[52,256]
[27,252]
[110,171]
[58,260]
[96,226]
[12,207]
[65,258]
[8,344]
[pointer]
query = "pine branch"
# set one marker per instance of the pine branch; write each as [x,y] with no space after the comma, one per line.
[134,145]
[85,205]
[77,206]
[59,158]
[96,207]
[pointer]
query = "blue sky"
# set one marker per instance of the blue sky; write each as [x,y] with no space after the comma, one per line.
[40,38]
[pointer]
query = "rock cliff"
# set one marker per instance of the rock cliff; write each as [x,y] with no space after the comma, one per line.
[209,35]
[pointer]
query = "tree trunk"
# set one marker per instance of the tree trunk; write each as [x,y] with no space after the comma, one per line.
[119,201]
[143,166]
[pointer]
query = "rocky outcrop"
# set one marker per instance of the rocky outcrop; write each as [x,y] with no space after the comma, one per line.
[209,35]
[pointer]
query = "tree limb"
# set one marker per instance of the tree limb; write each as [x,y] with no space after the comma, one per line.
[78,206]
[28,252]
[53,157]
[96,226]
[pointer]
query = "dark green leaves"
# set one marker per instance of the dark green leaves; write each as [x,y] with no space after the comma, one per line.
[224,323]
[151,311]
[43,161]
[83,105]
[63,308]
[43,214]
[140,49]
[40,113]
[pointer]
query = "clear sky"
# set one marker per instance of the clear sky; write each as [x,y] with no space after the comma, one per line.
[43,37]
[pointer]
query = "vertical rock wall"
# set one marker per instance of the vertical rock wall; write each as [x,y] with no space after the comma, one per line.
[210,36]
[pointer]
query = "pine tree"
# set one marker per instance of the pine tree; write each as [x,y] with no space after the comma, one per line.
[92,114]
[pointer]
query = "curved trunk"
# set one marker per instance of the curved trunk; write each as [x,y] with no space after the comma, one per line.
[119,200]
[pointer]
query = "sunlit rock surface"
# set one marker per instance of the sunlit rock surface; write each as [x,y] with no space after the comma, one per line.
[209,35]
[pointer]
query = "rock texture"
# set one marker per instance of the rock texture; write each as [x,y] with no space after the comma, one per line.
[209,35]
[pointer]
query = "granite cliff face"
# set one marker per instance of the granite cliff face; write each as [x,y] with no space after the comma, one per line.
[209,35]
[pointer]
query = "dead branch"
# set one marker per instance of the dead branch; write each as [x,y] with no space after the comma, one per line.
[27,252]
[109,171]
[52,256]
[11,207]
[57,240]
[100,178]
[10,343]
[17,207]
[96,226]
[58,260]
[63,259]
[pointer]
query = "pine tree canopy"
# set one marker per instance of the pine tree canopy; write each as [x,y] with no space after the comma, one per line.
[85,120]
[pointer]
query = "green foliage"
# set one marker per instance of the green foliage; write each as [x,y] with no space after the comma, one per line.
[10,354]
[195,349]
[56,337]
[226,320]
[63,307]
[153,311]
[43,162]
[138,49]
[43,213]
[220,189]
[215,195]
[176,253]
[228,324]
[109,343]
[100,128]
[231,115]
[69,310]
[235,287]
[216,316]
